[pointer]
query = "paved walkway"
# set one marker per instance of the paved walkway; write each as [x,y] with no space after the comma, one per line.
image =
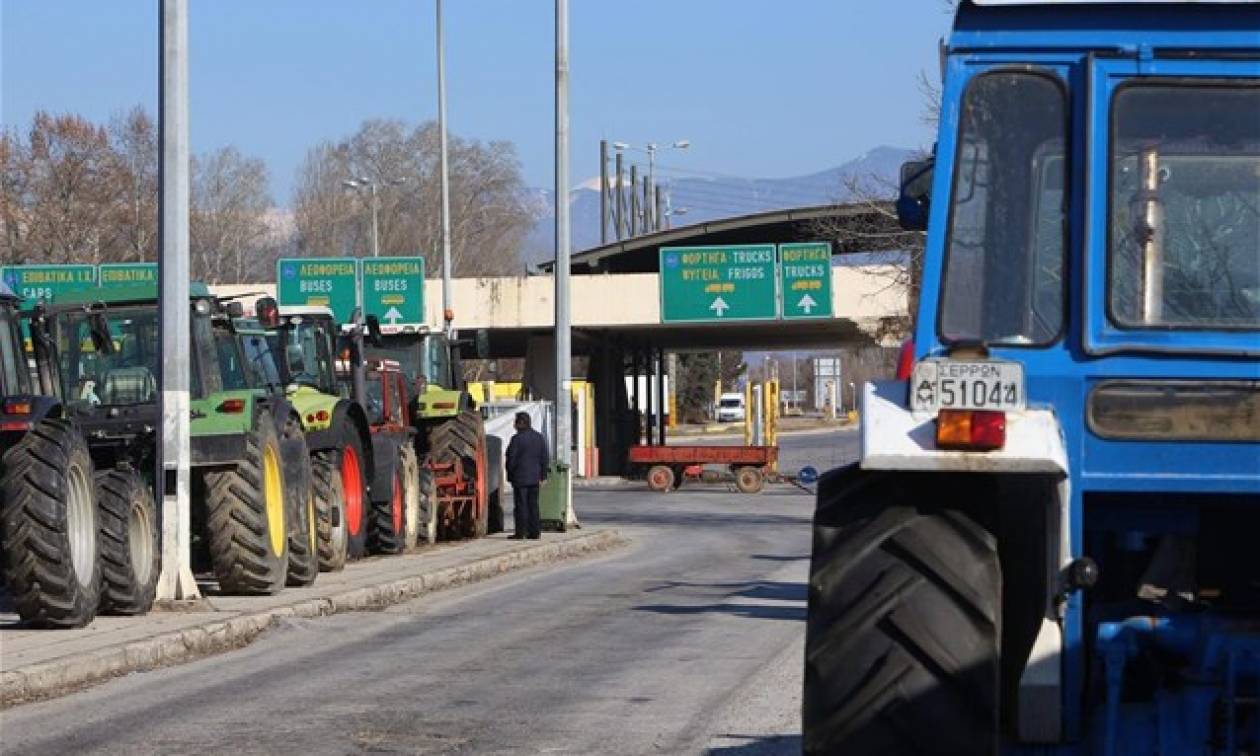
[228,621]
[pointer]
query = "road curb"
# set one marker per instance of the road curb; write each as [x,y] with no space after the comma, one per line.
[61,676]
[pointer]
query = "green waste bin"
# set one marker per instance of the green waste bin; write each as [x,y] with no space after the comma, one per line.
[552,498]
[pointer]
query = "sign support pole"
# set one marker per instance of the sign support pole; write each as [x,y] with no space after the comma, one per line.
[448,311]
[176,581]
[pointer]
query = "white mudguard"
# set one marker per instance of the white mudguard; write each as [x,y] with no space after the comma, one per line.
[894,438]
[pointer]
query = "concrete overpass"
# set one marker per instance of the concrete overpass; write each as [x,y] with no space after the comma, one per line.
[866,301]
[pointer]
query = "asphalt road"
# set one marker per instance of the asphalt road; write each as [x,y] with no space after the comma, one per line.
[688,642]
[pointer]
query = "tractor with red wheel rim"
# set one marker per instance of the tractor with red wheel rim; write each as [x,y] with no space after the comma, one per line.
[305,341]
[460,480]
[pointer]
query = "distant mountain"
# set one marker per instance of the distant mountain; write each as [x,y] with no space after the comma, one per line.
[707,197]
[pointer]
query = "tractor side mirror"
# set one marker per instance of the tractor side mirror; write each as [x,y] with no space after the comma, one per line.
[482,342]
[913,202]
[374,330]
[102,341]
[268,312]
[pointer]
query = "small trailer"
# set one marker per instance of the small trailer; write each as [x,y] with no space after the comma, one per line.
[666,467]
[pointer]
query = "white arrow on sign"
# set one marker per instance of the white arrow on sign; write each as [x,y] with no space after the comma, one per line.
[719,307]
[807,304]
[392,316]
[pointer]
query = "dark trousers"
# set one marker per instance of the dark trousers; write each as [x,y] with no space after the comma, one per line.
[525,514]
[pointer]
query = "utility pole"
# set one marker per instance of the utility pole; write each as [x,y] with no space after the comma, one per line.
[647,206]
[634,200]
[448,311]
[619,208]
[564,347]
[176,581]
[659,215]
[604,190]
[376,232]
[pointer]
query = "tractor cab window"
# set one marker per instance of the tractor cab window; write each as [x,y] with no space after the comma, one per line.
[12,361]
[1185,206]
[309,357]
[231,362]
[1003,277]
[259,360]
[438,362]
[127,376]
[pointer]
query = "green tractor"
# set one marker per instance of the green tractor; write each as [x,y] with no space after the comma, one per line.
[305,341]
[51,544]
[98,352]
[460,478]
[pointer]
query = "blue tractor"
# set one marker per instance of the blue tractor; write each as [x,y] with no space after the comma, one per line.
[1051,542]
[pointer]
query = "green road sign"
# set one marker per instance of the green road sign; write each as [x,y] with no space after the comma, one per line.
[393,289]
[128,274]
[718,283]
[805,279]
[320,281]
[46,282]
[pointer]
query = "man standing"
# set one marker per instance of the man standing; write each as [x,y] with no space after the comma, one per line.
[526,469]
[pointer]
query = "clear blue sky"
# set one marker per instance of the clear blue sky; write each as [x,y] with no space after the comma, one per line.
[761,88]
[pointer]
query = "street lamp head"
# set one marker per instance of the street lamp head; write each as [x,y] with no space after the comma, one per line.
[365,180]
[682,144]
[350,184]
[621,146]
[398,181]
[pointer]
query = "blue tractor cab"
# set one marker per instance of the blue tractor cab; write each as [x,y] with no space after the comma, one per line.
[1051,542]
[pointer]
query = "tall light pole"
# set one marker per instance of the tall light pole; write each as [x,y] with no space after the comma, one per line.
[448,307]
[371,186]
[650,149]
[174,452]
[564,346]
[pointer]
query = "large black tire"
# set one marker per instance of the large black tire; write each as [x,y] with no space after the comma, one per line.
[131,542]
[303,565]
[389,515]
[49,527]
[462,440]
[902,641]
[330,513]
[427,533]
[245,518]
[355,476]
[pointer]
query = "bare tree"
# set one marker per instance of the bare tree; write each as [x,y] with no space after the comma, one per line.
[229,230]
[135,141]
[490,211]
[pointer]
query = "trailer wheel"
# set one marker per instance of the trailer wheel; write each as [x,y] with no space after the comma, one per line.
[411,494]
[389,517]
[49,527]
[901,645]
[354,481]
[245,516]
[660,478]
[427,523]
[749,480]
[304,534]
[462,440]
[330,513]
[130,542]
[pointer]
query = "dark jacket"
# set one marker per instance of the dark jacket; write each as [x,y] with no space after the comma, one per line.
[527,458]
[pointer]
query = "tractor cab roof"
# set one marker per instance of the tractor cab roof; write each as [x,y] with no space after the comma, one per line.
[308,311]
[1113,25]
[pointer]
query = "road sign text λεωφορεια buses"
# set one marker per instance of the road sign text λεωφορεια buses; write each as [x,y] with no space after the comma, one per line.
[331,282]
[393,289]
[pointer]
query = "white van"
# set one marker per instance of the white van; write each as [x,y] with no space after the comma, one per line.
[730,408]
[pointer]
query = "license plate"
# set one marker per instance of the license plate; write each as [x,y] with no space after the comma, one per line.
[951,384]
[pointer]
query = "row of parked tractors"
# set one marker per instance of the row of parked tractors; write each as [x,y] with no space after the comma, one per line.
[312,443]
